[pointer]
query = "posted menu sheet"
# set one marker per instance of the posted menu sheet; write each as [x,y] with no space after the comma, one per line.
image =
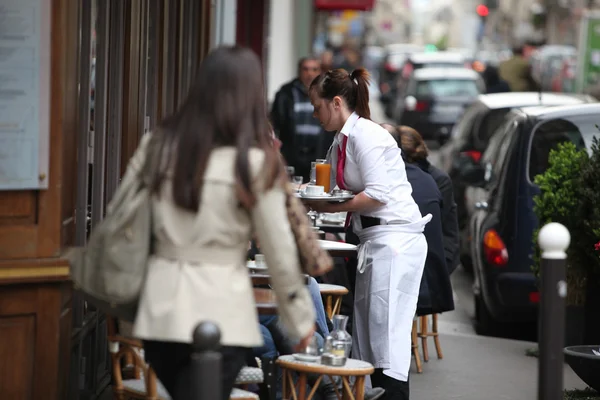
[24,94]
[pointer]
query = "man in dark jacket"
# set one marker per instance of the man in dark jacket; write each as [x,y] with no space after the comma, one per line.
[493,83]
[302,137]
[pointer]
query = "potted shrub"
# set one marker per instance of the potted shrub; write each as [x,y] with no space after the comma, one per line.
[589,247]
[560,201]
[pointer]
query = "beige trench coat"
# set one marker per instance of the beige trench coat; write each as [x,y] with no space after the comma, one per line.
[199,273]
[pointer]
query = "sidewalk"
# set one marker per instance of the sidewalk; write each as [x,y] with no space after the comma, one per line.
[479,368]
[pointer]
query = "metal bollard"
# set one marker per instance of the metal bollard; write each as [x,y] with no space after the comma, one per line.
[206,362]
[554,240]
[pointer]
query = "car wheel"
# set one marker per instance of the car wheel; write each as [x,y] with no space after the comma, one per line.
[485,324]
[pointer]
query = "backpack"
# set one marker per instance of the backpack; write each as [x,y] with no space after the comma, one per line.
[111,269]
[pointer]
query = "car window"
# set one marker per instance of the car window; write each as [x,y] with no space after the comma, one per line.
[462,131]
[578,130]
[447,88]
[488,125]
[494,157]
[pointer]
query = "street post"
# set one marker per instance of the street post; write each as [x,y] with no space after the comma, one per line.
[206,362]
[554,240]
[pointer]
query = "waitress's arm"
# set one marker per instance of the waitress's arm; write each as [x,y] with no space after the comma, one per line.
[360,202]
[369,153]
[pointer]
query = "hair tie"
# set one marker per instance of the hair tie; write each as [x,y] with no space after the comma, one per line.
[355,81]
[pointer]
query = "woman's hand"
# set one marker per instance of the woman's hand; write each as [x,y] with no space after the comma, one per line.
[322,206]
[304,342]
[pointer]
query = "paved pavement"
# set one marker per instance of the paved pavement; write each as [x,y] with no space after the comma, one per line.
[477,367]
[474,367]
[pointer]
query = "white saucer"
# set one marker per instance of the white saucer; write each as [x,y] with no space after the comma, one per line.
[306,357]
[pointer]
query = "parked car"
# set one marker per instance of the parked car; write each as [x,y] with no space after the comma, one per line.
[414,62]
[470,137]
[502,227]
[395,56]
[435,98]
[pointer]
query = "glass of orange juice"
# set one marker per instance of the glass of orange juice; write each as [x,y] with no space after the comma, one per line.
[323,172]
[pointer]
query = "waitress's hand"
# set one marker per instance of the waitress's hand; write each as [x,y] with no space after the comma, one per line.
[322,206]
[304,342]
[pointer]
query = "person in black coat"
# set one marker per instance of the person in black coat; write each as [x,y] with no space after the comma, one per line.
[435,294]
[493,82]
[416,152]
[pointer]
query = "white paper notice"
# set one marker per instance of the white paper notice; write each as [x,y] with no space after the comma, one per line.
[24,94]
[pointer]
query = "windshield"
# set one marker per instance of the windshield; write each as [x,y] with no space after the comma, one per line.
[447,88]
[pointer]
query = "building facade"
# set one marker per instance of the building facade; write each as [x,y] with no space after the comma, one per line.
[115,68]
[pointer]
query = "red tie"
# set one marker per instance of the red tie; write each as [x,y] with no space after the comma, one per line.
[339,177]
[341,163]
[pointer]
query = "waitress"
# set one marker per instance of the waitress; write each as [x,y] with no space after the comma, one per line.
[366,160]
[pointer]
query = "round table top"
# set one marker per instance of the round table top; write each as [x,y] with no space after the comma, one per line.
[352,368]
[338,249]
[328,288]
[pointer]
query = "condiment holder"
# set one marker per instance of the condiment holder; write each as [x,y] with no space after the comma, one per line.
[333,360]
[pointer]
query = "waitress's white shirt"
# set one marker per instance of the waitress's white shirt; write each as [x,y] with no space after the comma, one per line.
[374,165]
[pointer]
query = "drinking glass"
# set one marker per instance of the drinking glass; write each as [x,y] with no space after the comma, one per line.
[323,173]
[298,180]
[290,171]
[313,173]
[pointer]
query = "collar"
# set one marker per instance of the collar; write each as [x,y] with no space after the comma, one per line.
[349,125]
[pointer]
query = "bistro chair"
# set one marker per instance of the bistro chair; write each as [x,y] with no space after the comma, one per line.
[424,334]
[133,378]
[333,298]
[414,345]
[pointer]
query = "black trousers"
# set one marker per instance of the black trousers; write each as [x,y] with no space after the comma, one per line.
[394,389]
[171,362]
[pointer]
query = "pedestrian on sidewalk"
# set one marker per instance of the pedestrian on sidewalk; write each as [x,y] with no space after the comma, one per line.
[302,138]
[219,183]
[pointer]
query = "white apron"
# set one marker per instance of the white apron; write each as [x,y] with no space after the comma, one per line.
[391,259]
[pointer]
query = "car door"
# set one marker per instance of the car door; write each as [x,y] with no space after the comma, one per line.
[498,182]
[544,138]
[460,133]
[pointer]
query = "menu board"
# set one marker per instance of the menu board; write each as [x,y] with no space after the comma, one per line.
[24,94]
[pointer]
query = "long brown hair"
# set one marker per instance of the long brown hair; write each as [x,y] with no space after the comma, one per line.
[353,88]
[225,106]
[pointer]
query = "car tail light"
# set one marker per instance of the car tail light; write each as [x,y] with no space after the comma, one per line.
[473,154]
[421,106]
[534,297]
[390,67]
[494,249]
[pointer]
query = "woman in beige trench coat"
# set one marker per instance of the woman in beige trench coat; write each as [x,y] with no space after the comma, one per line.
[219,183]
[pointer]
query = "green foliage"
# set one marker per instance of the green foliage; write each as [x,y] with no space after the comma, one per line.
[560,200]
[576,394]
[533,352]
[589,210]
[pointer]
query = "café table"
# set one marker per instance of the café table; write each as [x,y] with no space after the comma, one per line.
[264,297]
[339,249]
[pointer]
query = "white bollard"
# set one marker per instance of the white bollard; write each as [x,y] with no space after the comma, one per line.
[554,239]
